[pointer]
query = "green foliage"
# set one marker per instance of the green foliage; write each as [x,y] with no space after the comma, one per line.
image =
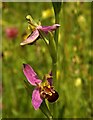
[74,59]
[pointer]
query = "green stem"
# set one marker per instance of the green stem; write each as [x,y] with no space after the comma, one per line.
[57,31]
[52,50]
[53,53]
[56,41]
[54,68]
[46,111]
[52,44]
[43,36]
[54,64]
[54,105]
[57,8]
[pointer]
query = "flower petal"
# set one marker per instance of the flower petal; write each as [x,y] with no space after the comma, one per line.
[50,78]
[48,28]
[36,99]
[30,75]
[32,38]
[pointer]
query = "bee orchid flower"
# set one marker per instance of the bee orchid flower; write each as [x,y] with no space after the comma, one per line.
[36,31]
[42,90]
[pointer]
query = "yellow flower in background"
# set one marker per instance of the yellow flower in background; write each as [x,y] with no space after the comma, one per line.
[78,82]
[60,37]
[76,59]
[47,13]
[74,48]
[7,54]
[82,22]
[58,74]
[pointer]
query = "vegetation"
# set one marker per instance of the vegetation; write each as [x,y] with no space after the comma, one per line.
[74,72]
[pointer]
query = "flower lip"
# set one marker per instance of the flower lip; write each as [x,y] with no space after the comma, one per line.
[49,93]
[53,97]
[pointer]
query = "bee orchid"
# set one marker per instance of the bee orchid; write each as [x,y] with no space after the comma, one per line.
[42,90]
[36,31]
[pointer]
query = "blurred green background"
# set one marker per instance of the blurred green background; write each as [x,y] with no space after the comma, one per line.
[74,59]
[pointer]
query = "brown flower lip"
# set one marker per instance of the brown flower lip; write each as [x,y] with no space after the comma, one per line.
[49,93]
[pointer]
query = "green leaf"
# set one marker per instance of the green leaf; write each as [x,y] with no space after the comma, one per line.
[45,110]
[52,48]
[28,88]
[57,7]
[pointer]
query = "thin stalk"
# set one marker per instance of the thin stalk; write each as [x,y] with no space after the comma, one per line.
[57,31]
[56,41]
[54,105]
[46,111]
[52,44]
[57,8]
[52,50]
[42,35]
[53,53]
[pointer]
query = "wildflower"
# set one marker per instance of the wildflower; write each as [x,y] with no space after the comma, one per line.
[47,13]
[82,21]
[11,32]
[36,31]
[78,82]
[42,90]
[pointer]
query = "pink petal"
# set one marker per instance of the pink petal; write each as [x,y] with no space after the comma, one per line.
[36,99]
[48,28]
[32,38]
[30,75]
